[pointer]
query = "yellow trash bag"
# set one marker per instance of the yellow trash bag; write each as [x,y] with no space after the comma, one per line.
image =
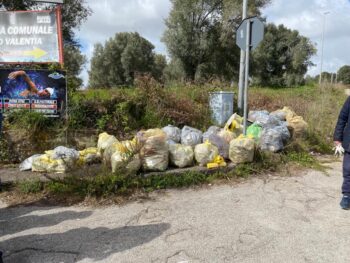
[242,150]
[205,153]
[142,136]
[234,124]
[155,150]
[289,113]
[219,161]
[89,156]
[125,162]
[104,141]
[181,155]
[298,125]
[127,147]
[45,164]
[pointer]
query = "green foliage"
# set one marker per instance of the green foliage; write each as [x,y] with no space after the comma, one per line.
[30,186]
[30,121]
[74,61]
[344,74]
[283,57]
[199,35]
[121,58]
[7,155]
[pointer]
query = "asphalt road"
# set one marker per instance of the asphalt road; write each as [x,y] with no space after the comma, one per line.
[275,219]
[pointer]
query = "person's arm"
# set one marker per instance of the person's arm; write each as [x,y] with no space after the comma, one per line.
[342,122]
[31,86]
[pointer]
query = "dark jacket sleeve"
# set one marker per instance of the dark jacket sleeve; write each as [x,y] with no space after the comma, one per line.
[342,121]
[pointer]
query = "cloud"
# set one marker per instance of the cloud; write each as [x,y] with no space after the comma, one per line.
[147,17]
[113,16]
[307,17]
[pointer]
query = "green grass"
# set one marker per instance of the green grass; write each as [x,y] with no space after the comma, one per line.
[30,186]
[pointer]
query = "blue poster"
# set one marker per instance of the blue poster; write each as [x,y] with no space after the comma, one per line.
[36,90]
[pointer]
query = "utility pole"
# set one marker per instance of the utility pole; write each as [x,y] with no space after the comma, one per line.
[240,98]
[322,50]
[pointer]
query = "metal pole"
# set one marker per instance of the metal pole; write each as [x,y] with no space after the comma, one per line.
[332,78]
[241,66]
[322,49]
[246,80]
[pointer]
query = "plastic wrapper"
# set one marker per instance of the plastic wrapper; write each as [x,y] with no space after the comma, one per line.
[26,165]
[89,156]
[125,162]
[221,144]
[181,155]
[205,153]
[210,131]
[173,133]
[271,140]
[242,150]
[191,136]
[104,141]
[155,152]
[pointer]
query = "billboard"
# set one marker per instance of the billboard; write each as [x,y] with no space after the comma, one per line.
[30,37]
[41,91]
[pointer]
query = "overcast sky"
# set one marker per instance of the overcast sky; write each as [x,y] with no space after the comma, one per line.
[147,18]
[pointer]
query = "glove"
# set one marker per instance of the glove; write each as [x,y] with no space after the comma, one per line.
[338,150]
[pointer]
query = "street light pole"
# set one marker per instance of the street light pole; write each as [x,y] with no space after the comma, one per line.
[240,98]
[322,50]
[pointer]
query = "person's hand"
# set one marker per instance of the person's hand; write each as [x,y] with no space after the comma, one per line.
[336,143]
[338,148]
[15,74]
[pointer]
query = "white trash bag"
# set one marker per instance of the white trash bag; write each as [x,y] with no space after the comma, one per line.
[181,155]
[27,164]
[205,153]
[191,136]
[210,131]
[173,133]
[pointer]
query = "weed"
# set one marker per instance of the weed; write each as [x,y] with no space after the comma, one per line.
[30,186]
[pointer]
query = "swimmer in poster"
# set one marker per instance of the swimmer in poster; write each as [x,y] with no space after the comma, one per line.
[41,87]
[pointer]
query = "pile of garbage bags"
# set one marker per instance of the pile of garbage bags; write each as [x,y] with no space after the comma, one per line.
[60,160]
[155,150]
[272,131]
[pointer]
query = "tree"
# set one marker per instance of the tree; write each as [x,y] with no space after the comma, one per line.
[160,64]
[200,33]
[73,63]
[283,57]
[117,62]
[344,74]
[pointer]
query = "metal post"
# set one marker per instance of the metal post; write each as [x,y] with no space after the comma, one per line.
[246,80]
[322,49]
[241,66]
[332,78]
